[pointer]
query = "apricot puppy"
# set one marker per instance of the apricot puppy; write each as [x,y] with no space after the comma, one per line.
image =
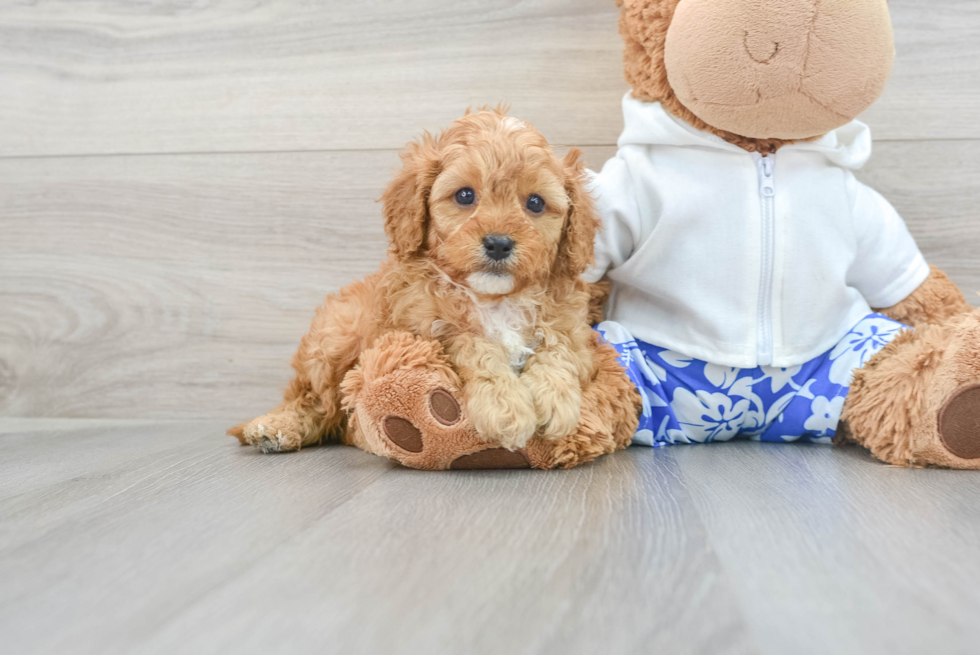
[489,232]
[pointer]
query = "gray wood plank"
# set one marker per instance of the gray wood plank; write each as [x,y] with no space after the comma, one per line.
[833,552]
[92,563]
[91,443]
[936,74]
[208,547]
[168,276]
[179,286]
[122,77]
[284,75]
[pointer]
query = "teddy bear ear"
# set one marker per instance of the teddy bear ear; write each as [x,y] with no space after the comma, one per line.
[576,252]
[406,200]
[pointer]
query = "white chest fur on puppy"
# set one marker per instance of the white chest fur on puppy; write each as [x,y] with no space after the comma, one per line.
[510,322]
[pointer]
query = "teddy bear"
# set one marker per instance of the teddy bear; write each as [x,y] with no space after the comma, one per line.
[758,289]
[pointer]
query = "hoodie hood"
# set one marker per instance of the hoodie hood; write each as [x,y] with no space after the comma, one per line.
[648,123]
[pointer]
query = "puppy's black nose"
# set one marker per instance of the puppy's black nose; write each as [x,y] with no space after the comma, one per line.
[498,247]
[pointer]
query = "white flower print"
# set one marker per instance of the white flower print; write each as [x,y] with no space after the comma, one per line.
[643,438]
[755,418]
[671,359]
[743,389]
[675,360]
[720,376]
[826,415]
[709,416]
[709,402]
[665,435]
[780,377]
[649,397]
[805,392]
[778,407]
[867,338]
[649,370]
[614,333]
[654,370]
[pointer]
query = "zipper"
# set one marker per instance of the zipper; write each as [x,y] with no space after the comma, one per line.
[767,194]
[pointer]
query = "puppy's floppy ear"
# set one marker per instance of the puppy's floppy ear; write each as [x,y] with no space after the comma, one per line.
[576,252]
[406,200]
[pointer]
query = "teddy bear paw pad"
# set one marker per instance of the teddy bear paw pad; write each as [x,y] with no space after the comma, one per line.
[444,408]
[403,434]
[959,423]
[492,458]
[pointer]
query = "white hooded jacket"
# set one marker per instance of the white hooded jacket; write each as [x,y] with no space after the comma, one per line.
[742,260]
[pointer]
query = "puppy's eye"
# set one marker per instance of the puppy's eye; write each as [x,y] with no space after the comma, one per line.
[466,196]
[535,204]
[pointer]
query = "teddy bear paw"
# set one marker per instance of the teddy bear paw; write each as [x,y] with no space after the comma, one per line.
[405,406]
[959,424]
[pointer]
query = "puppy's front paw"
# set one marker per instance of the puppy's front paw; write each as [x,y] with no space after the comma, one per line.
[503,413]
[559,416]
[271,435]
[557,404]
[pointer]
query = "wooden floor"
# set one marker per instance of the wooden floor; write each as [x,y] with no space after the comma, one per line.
[166,537]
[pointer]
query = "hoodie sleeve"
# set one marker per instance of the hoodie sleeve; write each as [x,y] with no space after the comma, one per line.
[888,266]
[616,202]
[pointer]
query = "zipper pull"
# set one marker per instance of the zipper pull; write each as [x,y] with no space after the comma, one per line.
[767,183]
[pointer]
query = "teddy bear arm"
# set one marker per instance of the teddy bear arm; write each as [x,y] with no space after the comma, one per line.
[936,301]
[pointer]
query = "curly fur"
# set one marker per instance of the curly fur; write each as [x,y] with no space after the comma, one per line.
[895,399]
[424,289]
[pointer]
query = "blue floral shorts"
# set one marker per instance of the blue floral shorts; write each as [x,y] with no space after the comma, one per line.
[689,401]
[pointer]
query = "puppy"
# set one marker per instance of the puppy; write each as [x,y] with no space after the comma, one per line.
[489,232]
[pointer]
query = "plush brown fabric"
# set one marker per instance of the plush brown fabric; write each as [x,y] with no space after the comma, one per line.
[406,382]
[704,67]
[895,401]
[643,24]
[789,69]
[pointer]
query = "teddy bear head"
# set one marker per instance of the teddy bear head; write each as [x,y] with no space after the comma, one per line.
[758,73]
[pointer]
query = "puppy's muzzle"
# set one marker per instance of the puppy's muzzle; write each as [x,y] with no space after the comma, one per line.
[498,247]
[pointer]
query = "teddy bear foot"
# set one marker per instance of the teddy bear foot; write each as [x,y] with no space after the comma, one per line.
[403,404]
[917,403]
[443,433]
[959,424]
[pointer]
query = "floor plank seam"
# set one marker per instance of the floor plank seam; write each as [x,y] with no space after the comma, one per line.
[225,153]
